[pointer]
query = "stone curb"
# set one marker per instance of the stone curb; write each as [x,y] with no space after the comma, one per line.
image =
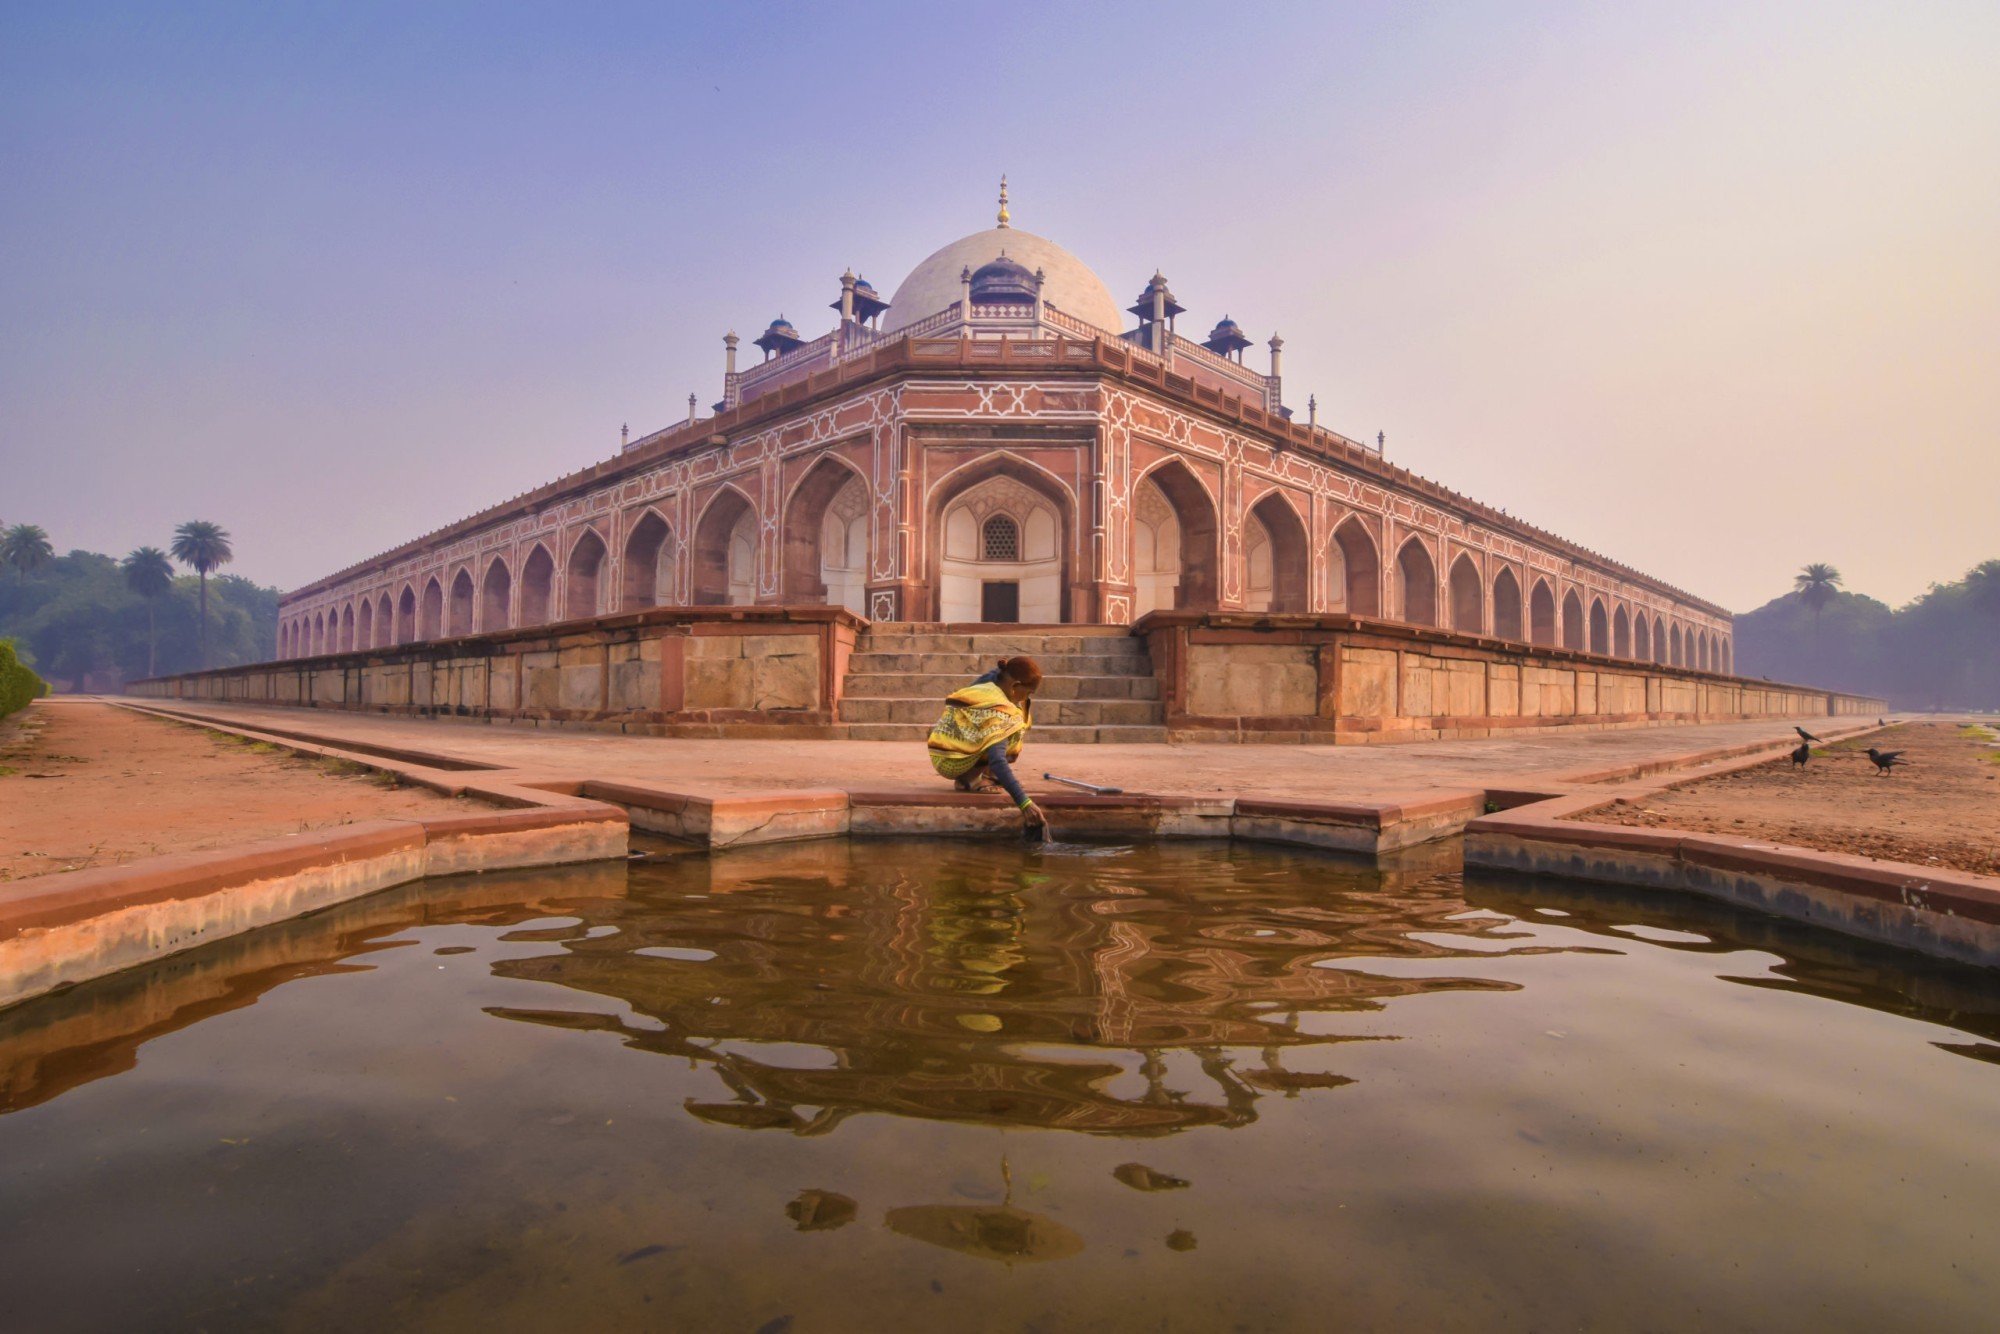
[1951,914]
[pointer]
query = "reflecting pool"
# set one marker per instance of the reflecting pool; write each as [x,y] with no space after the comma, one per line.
[932,1085]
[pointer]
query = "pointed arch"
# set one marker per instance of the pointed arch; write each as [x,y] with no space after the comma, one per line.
[319,633]
[583,580]
[1468,597]
[1674,645]
[1542,628]
[1195,562]
[538,586]
[430,615]
[1642,638]
[347,628]
[1701,651]
[1291,579]
[1725,662]
[815,541]
[955,557]
[460,604]
[1507,605]
[1416,583]
[364,625]
[406,615]
[650,564]
[496,597]
[725,574]
[1600,628]
[1361,567]
[1572,620]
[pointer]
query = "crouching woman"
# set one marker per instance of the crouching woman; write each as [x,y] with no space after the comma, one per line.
[984,726]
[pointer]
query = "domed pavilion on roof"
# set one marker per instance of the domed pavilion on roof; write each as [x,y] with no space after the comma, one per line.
[1000,442]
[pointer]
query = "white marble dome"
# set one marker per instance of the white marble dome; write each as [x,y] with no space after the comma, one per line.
[1068,283]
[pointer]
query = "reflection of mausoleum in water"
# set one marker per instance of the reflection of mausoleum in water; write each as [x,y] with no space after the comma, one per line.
[999,441]
[849,980]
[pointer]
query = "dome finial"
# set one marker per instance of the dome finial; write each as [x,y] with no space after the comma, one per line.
[1003,199]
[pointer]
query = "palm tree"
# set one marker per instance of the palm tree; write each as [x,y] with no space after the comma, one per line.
[1816,584]
[202,545]
[25,547]
[149,574]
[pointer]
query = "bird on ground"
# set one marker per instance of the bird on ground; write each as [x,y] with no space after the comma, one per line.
[1802,732]
[1885,760]
[1881,722]
[1802,754]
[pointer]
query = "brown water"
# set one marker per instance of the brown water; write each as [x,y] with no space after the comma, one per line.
[947,1086]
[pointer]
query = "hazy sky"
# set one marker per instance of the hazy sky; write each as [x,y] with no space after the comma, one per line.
[1713,289]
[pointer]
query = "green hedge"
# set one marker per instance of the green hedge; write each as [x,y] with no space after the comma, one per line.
[18,684]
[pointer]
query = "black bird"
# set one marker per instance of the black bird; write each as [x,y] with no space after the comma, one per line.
[1802,732]
[1881,722]
[1885,760]
[1802,754]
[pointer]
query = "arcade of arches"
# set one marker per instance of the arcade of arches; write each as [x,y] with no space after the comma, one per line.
[1005,547]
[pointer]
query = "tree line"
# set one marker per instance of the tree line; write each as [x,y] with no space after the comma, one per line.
[1940,651]
[87,621]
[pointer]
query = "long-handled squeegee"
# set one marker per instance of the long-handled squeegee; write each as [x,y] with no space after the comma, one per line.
[1092,788]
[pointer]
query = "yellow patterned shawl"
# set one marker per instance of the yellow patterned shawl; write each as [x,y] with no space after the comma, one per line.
[976,718]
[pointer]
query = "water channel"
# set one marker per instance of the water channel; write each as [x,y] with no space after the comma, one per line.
[934,1085]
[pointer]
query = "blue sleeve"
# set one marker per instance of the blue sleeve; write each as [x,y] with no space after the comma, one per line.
[1003,774]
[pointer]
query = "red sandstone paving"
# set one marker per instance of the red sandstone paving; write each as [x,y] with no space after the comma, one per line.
[90,784]
[733,768]
[1944,810]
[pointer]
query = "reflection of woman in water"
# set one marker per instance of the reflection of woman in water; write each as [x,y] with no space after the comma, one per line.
[984,726]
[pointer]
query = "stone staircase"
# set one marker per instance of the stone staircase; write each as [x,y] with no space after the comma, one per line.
[1097,681]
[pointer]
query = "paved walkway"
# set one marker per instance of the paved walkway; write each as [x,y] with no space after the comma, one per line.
[1544,758]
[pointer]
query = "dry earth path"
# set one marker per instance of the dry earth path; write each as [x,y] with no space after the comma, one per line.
[84,783]
[1943,810]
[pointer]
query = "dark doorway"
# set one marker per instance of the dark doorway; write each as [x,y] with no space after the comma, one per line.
[1000,600]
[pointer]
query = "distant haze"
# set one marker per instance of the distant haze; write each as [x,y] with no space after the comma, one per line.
[1712,289]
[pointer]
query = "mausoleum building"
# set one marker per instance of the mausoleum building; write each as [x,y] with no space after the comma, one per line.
[1002,440]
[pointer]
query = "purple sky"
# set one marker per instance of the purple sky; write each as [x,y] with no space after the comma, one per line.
[1712,289]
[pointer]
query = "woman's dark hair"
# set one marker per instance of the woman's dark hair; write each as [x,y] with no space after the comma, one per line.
[1022,671]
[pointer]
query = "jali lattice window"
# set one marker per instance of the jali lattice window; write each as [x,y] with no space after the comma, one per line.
[1001,538]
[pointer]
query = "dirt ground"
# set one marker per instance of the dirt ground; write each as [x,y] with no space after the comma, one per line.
[86,784]
[1942,810]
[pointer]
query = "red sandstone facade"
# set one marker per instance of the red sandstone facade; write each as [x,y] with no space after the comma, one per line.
[1004,458]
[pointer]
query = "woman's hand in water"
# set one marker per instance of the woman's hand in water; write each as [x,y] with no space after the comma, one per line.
[1032,817]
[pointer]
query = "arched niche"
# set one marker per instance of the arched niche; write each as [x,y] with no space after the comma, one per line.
[725,551]
[430,616]
[464,599]
[1416,583]
[406,616]
[823,555]
[1175,547]
[1600,628]
[1542,615]
[583,581]
[538,586]
[1468,602]
[1354,570]
[1276,555]
[1001,553]
[1642,638]
[1726,662]
[1572,621]
[496,597]
[1674,646]
[1507,605]
[347,628]
[364,625]
[650,565]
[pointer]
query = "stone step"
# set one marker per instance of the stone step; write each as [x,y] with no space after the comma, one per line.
[1048,713]
[864,662]
[1072,736]
[1002,646]
[919,685]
